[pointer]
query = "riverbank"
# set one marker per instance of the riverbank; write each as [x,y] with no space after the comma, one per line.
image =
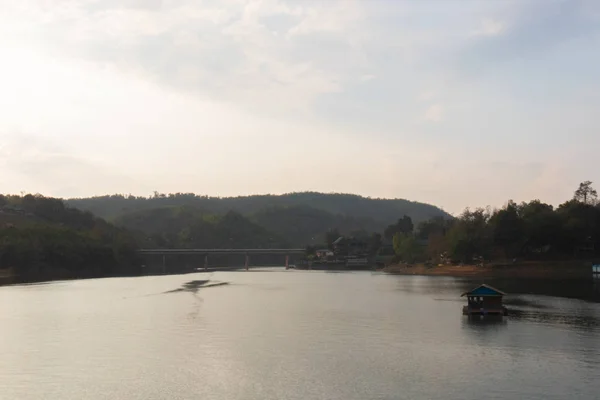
[534,269]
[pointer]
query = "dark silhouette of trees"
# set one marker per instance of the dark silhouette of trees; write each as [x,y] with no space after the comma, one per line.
[45,238]
[532,230]
[403,226]
[375,241]
[41,238]
[508,229]
[331,236]
[586,193]
[374,214]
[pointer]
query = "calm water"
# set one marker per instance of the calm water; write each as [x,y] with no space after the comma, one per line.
[290,335]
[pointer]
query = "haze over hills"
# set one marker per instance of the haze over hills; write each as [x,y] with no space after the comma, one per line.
[294,218]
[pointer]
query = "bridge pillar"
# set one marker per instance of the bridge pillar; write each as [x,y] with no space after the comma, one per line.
[206,262]
[247,261]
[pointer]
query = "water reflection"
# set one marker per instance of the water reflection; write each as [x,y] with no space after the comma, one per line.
[583,289]
[194,286]
[515,302]
[581,321]
[293,335]
[484,325]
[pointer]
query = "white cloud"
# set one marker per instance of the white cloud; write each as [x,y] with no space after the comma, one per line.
[226,96]
[329,17]
[490,27]
[434,113]
[427,95]
[367,77]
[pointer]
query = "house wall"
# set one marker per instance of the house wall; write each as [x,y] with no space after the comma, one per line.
[492,302]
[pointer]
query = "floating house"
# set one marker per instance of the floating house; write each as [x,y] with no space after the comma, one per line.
[484,300]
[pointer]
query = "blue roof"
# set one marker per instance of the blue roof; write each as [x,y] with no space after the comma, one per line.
[484,290]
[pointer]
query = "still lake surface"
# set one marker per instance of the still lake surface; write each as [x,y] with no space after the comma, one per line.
[276,334]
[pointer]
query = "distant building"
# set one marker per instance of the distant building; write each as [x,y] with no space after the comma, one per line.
[350,247]
[323,253]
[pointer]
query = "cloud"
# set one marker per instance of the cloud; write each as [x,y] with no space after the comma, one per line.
[427,95]
[490,27]
[536,27]
[434,113]
[258,54]
[232,96]
[367,77]
[41,165]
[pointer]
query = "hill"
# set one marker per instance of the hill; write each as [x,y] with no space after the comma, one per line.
[297,217]
[44,239]
[302,225]
[189,227]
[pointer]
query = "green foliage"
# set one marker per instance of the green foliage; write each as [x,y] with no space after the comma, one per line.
[529,230]
[302,225]
[188,227]
[580,223]
[542,227]
[508,229]
[44,237]
[376,212]
[434,226]
[41,238]
[404,226]
[407,248]
[470,236]
[296,218]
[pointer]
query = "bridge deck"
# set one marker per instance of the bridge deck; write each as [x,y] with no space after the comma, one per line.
[221,251]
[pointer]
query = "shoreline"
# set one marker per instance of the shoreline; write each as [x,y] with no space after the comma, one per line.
[539,270]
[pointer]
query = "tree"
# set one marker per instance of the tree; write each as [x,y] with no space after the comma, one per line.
[508,229]
[406,247]
[470,236]
[580,226]
[433,226]
[586,193]
[374,243]
[437,246]
[404,225]
[542,227]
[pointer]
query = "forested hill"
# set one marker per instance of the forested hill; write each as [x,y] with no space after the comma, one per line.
[379,211]
[41,239]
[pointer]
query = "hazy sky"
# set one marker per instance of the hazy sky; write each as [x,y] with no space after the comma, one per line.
[455,103]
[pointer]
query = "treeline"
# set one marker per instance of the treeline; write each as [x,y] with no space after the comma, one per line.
[189,227]
[297,219]
[372,213]
[41,238]
[47,238]
[531,230]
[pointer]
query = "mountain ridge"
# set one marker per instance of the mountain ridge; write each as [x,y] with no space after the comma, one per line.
[299,218]
[110,206]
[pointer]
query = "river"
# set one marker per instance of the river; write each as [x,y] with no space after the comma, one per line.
[276,334]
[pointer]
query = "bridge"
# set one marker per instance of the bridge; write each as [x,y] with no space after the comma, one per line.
[206,252]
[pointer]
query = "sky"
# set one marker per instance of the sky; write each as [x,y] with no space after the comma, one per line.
[454,103]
